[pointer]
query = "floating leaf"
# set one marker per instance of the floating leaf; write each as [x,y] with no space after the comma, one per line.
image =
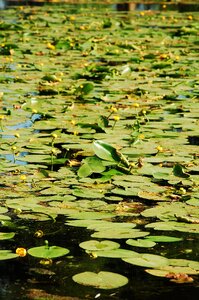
[94,245]
[148,260]
[163,238]
[141,243]
[105,151]
[6,235]
[48,251]
[119,233]
[115,253]
[7,254]
[101,280]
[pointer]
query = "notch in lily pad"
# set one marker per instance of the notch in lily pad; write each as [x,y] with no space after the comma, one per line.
[48,252]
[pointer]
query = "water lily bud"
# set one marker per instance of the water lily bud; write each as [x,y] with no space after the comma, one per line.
[39,234]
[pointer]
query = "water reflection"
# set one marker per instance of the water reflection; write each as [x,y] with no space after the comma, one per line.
[2,4]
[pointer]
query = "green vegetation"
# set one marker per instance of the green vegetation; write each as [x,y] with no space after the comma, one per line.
[99,135]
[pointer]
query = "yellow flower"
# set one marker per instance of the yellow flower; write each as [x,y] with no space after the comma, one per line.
[72,18]
[50,46]
[23,177]
[141,136]
[163,56]
[73,122]
[54,135]
[14,148]
[116,118]
[17,135]
[113,109]
[53,151]
[159,148]
[136,105]
[190,17]
[21,252]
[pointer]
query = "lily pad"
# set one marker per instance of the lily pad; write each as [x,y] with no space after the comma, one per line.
[6,235]
[119,233]
[101,280]
[48,251]
[148,261]
[94,245]
[7,254]
[141,243]
[163,238]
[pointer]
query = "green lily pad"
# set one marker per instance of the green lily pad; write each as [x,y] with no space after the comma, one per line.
[119,233]
[101,280]
[163,238]
[94,245]
[115,253]
[105,151]
[7,254]
[6,236]
[141,243]
[148,261]
[48,251]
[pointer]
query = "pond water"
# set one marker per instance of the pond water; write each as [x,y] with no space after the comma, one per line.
[99,152]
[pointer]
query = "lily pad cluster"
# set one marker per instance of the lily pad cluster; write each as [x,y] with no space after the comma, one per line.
[99,127]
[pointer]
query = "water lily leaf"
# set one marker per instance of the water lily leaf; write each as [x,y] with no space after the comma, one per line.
[88,193]
[148,260]
[91,165]
[115,253]
[141,243]
[94,245]
[101,280]
[3,210]
[48,251]
[163,238]
[6,235]
[164,271]
[174,226]
[119,233]
[84,215]
[7,254]
[105,151]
